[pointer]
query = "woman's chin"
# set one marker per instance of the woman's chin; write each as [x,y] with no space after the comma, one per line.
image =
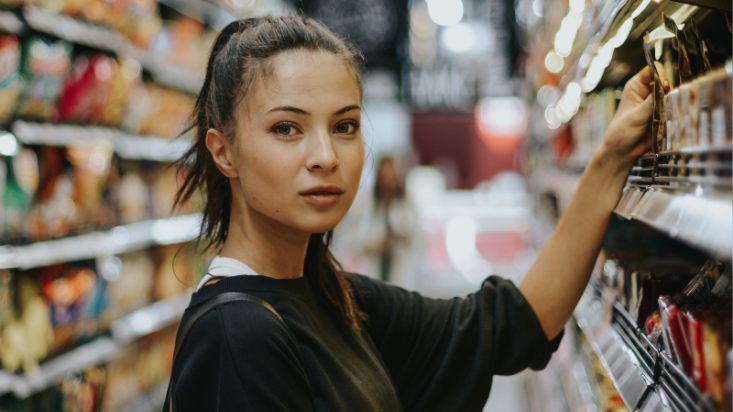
[319,227]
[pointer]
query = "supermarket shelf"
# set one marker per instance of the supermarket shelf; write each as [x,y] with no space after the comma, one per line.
[702,221]
[627,374]
[150,319]
[579,391]
[11,23]
[98,351]
[150,402]
[121,239]
[125,145]
[102,38]
[644,377]
[77,31]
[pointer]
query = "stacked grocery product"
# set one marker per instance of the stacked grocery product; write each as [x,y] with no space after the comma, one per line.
[94,265]
[657,314]
[689,320]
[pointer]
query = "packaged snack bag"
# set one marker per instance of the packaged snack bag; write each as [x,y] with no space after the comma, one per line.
[69,291]
[716,337]
[131,288]
[21,184]
[86,88]
[10,83]
[675,332]
[28,337]
[92,165]
[44,66]
[97,89]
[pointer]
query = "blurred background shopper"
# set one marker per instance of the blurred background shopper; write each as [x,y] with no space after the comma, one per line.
[388,227]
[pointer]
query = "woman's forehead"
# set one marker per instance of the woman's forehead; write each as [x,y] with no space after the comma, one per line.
[314,79]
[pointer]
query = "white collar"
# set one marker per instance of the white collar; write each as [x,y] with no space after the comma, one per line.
[225,267]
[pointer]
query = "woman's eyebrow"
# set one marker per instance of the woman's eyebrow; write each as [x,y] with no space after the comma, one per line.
[289,109]
[347,109]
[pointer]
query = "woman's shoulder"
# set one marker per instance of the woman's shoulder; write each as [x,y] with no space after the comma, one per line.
[243,322]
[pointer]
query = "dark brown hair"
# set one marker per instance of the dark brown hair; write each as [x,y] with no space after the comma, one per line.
[240,56]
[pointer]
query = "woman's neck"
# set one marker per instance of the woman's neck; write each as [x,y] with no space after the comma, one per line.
[267,246]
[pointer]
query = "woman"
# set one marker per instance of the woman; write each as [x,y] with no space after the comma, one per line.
[386,231]
[278,157]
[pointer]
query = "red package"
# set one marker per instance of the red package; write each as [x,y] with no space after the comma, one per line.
[86,88]
[675,335]
[695,320]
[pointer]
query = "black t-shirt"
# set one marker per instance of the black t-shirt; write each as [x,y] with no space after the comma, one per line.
[414,354]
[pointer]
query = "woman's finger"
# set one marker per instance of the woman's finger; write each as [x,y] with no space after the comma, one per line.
[662,75]
[638,88]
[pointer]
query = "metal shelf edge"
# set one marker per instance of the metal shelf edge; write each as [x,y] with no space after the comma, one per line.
[150,319]
[613,353]
[120,239]
[703,222]
[125,145]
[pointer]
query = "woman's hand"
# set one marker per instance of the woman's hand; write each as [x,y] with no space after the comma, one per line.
[625,138]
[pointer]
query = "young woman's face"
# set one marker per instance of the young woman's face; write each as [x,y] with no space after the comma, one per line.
[299,151]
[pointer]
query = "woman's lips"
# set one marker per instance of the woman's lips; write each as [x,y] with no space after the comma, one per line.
[322,198]
[323,195]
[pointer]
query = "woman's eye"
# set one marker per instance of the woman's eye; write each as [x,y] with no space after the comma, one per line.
[284,129]
[346,128]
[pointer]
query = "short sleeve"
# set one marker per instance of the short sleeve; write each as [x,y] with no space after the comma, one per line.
[443,354]
[243,359]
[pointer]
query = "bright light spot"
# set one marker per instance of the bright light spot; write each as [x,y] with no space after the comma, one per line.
[573,89]
[111,268]
[502,117]
[131,69]
[551,118]
[8,144]
[120,235]
[622,34]
[445,12]
[577,6]
[547,95]
[459,38]
[98,160]
[564,42]
[537,8]
[640,9]
[460,243]
[141,323]
[554,62]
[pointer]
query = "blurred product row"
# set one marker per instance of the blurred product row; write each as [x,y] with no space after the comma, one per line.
[51,192]
[649,339]
[94,275]
[53,81]
[46,312]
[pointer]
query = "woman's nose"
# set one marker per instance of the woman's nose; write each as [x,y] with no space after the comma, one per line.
[321,154]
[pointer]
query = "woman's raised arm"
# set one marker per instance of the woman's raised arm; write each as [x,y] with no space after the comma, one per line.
[555,283]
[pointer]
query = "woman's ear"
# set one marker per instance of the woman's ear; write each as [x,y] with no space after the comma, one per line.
[221,152]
